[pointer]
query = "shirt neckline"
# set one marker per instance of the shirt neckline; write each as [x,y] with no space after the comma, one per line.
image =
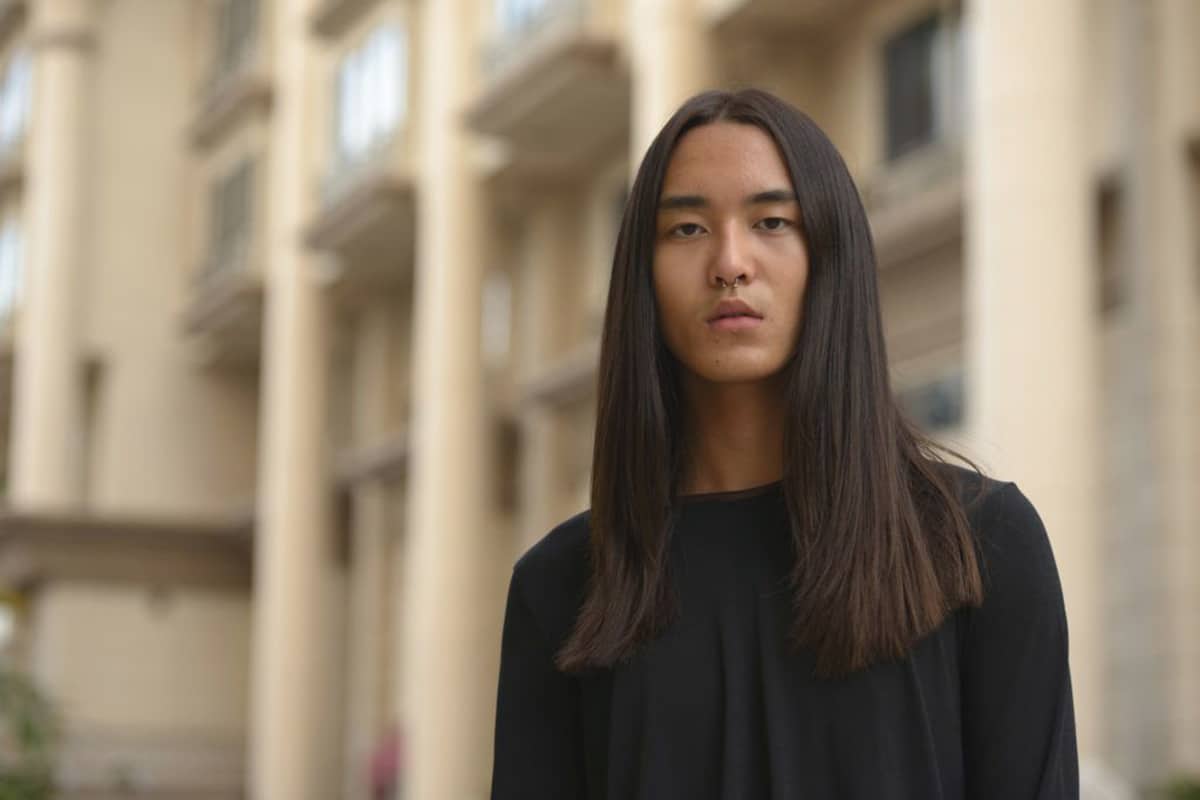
[733,494]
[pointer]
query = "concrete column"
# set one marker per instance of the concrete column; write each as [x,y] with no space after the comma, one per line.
[295,731]
[452,578]
[540,469]
[367,710]
[548,276]
[671,61]
[1136,737]
[1167,257]
[47,452]
[1030,297]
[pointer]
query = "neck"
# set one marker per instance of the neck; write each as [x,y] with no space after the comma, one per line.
[734,434]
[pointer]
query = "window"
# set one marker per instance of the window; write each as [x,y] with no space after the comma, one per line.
[496,326]
[515,16]
[235,27]
[1194,207]
[14,101]
[10,266]
[937,404]
[371,95]
[924,78]
[1110,218]
[231,217]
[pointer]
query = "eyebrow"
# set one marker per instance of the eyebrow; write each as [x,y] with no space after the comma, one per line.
[697,201]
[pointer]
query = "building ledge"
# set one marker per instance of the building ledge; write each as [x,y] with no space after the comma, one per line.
[566,380]
[224,317]
[12,16]
[227,101]
[916,205]
[332,18]
[563,99]
[384,459]
[779,17]
[40,546]
[369,212]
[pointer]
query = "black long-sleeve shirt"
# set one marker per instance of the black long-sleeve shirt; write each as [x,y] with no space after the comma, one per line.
[717,707]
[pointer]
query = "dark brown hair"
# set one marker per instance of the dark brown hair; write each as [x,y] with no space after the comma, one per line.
[883,547]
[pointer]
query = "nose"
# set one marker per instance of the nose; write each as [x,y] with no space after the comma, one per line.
[731,259]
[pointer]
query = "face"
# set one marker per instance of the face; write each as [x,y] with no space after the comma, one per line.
[730,263]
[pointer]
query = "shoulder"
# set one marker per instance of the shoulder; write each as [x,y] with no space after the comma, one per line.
[552,575]
[1016,556]
[970,487]
[1013,547]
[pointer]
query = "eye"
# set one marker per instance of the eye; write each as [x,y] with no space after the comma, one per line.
[686,230]
[773,223]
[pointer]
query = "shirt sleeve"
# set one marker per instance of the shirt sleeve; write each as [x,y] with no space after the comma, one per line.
[537,753]
[1017,706]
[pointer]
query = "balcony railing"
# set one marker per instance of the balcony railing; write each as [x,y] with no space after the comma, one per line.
[916,203]
[366,219]
[226,258]
[348,171]
[517,31]
[556,96]
[235,40]
[238,79]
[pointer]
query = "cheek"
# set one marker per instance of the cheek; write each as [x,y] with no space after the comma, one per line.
[672,311]
[797,281]
[791,286]
[668,312]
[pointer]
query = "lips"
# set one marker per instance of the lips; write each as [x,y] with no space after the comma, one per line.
[733,309]
[734,315]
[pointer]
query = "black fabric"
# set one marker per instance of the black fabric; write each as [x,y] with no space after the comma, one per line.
[717,707]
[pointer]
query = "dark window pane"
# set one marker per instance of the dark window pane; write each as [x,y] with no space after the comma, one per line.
[232,205]
[910,89]
[935,405]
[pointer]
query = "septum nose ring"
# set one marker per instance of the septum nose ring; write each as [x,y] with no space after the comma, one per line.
[723,284]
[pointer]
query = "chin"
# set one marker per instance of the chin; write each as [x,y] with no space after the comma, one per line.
[735,370]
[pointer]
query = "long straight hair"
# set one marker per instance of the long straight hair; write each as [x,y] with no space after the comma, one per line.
[883,549]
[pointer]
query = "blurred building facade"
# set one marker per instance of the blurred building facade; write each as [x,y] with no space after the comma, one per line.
[301,303]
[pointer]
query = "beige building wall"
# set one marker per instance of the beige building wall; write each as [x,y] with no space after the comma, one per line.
[166,437]
[153,683]
[143,646]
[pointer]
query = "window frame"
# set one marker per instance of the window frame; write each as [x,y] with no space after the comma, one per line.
[944,55]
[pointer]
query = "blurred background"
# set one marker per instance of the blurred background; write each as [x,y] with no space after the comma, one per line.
[299,316]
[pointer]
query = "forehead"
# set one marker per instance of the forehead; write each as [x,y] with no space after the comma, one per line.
[725,157]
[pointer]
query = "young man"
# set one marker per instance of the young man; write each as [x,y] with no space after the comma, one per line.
[779,590]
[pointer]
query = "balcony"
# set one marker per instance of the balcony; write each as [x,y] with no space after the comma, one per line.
[567,379]
[385,459]
[82,546]
[224,316]
[331,18]
[557,93]
[775,16]
[916,203]
[366,222]
[12,17]
[235,92]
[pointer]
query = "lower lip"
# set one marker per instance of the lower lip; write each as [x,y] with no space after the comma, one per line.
[734,323]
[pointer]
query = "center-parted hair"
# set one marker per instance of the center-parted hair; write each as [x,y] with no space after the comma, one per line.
[883,549]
